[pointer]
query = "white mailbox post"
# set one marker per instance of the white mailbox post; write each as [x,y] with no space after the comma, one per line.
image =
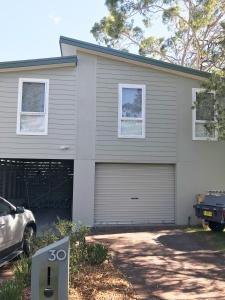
[50,272]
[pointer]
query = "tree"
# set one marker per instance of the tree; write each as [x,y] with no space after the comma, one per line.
[196,29]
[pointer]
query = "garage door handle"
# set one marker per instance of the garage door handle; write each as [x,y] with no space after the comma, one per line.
[134,198]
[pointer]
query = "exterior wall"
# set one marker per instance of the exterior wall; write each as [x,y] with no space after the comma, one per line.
[62,119]
[159,146]
[84,165]
[200,164]
[83,114]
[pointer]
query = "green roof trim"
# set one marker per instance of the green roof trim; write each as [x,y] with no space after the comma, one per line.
[130,56]
[38,62]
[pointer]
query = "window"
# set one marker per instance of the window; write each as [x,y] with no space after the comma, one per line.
[131,114]
[204,112]
[4,209]
[32,115]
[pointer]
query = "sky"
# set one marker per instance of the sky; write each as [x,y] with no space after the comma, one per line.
[31,28]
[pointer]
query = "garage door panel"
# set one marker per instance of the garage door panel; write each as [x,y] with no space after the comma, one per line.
[117,186]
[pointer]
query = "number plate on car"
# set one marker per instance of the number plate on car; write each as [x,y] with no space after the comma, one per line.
[207,213]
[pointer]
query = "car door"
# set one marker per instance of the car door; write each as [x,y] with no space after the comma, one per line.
[4,212]
[10,227]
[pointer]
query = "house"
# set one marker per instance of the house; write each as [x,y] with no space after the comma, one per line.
[105,136]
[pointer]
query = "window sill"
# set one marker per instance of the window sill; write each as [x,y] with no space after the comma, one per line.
[131,137]
[32,133]
[205,139]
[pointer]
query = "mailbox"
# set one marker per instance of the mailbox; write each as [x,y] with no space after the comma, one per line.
[50,272]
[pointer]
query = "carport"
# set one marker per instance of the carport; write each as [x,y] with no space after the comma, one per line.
[44,186]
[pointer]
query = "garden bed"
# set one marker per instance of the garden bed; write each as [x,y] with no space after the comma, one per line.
[92,274]
[102,282]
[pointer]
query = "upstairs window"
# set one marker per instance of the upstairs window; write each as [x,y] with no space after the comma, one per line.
[131,114]
[32,115]
[203,113]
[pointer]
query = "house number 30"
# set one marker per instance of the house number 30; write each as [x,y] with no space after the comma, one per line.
[57,255]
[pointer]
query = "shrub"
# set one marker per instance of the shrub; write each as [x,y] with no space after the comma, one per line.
[78,249]
[64,227]
[22,271]
[48,237]
[11,290]
[96,253]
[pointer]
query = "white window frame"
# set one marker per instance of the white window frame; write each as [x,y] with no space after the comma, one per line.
[194,120]
[121,118]
[19,108]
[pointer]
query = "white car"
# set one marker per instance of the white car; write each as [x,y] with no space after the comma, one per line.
[17,227]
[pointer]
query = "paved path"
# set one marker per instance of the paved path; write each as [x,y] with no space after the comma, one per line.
[168,264]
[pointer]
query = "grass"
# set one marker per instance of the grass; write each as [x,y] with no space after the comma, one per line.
[214,240]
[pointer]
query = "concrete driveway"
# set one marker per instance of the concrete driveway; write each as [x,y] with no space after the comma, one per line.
[167,263]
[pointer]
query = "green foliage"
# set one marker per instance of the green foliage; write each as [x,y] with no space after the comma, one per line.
[96,253]
[22,271]
[48,237]
[11,290]
[196,30]
[80,253]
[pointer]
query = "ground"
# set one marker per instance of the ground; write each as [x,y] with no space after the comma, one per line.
[6,273]
[160,263]
[103,282]
[168,263]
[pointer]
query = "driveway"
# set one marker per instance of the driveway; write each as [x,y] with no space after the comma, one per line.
[165,263]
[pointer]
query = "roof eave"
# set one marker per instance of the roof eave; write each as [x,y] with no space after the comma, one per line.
[133,57]
[39,63]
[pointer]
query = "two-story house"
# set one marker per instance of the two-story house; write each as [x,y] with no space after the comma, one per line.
[107,136]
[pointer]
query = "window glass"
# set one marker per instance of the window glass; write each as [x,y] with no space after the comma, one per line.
[205,106]
[131,127]
[203,113]
[33,97]
[132,102]
[4,208]
[131,113]
[33,106]
[200,131]
[32,123]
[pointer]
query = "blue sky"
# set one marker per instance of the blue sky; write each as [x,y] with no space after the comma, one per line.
[31,29]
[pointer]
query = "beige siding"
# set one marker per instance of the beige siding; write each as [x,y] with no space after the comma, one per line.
[134,194]
[160,142]
[62,116]
[200,164]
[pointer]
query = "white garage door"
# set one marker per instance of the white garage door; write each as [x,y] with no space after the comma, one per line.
[134,194]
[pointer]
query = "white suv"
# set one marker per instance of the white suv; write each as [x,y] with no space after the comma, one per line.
[17,226]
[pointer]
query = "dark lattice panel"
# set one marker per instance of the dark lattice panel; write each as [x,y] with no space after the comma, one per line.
[37,183]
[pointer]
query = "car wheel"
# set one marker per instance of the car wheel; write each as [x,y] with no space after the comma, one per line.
[27,240]
[214,226]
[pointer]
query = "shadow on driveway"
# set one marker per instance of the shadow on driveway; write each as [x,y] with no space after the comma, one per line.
[168,264]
